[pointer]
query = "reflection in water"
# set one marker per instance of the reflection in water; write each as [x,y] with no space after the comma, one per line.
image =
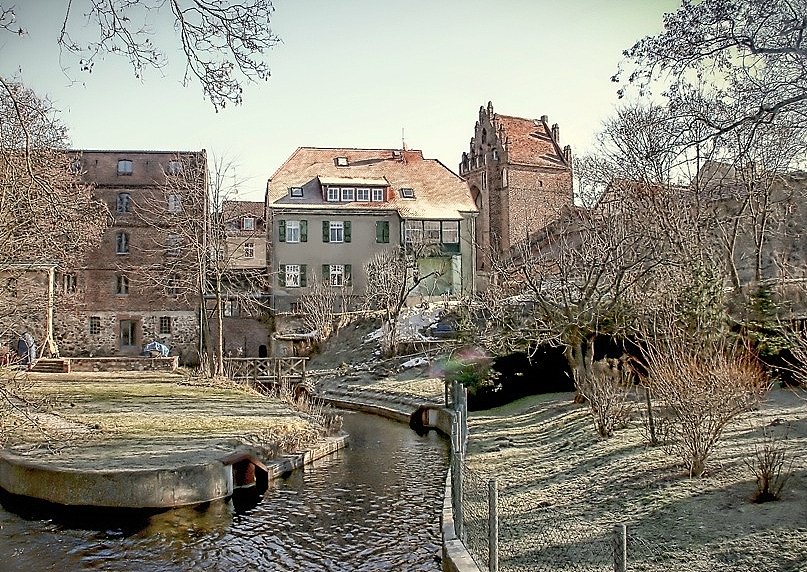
[374,506]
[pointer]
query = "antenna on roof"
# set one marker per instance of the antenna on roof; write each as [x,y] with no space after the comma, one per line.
[403,139]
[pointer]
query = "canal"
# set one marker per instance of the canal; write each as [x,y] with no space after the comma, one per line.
[372,506]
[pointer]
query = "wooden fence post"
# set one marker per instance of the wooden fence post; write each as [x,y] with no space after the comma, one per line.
[620,547]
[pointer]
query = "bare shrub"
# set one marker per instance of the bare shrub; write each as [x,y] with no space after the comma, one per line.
[704,386]
[770,466]
[607,392]
[322,415]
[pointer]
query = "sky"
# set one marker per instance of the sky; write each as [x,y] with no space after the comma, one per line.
[348,73]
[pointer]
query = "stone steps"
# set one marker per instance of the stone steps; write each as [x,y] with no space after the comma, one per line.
[51,366]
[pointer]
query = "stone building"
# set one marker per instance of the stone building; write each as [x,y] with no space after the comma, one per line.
[520,179]
[142,283]
[238,279]
[331,210]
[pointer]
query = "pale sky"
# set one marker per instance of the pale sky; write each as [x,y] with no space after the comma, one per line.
[352,73]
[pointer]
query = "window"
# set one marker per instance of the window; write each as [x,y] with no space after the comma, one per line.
[75,167]
[336,274]
[296,308]
[95,325]
[124,167]
[296,191]
[292,275]
[172,286]
[174,203]
[123,203]
[248,223]
[341,161]
[333,194]
[504,177]
[249,250]
[484,179]
[121,285]
[231,309]
[121,243]
[128,333]
[293,231]
[172,245]
[174,167]
[69,283]
[382,231]
[408,193]
[216,253]
[363,195]
[336,231]
[431,230]
[413,232]
[495,154]
[378,195]
[348,193]
[451,232]
[165,324]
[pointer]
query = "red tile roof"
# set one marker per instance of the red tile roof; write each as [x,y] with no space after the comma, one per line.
[530,141]
[438,192]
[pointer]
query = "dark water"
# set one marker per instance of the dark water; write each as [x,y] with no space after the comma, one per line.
[373,506]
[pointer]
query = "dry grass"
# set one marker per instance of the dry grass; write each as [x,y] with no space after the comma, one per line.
[555,473]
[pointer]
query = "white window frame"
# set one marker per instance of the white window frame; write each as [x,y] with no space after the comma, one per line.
[248,223]
[336,275]
[174,203]
[333,194]
[249,250]
[377,195]
[413,231]
[363,195]
[337,231]
[293,276]
[451,235]
[348,194]
[431,231]
[293,231]
[296,191]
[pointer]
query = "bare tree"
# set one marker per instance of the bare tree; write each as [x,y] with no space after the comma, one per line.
[749,56]
[224,42]
[392,276]
[317,308]
[704,384]
[198,244]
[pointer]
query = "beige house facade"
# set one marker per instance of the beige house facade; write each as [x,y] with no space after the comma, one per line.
[331,210]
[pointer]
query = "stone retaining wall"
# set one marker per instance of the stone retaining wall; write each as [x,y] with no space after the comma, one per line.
[99,364]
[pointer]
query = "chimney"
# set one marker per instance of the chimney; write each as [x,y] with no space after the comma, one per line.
[545,119]
[556,133]
[567,154]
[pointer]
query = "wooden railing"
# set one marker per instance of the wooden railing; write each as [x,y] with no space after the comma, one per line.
[266,370]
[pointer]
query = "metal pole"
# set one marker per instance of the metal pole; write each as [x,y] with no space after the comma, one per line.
[493,526]
[620,547]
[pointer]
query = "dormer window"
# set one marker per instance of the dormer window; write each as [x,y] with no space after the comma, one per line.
[248,223]
[378,195]
[296,191]
[363,195]
[333,194]
[124,167]
[408,193]
[341,161]
[348,193]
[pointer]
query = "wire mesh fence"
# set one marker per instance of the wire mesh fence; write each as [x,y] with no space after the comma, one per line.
[476,517]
